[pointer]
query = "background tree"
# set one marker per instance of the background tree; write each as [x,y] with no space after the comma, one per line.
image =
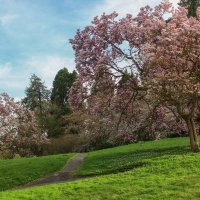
[191,5]
[36,94]
[54,121]
[19,131]
[61,86]
[112,118]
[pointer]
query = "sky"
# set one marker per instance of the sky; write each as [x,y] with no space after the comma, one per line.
[34,36]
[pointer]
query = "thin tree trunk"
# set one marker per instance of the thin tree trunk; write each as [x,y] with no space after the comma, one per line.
[40,102]
[193,135]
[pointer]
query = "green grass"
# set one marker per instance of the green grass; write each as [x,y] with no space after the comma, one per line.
[21,171]
[130,156]
[169,171]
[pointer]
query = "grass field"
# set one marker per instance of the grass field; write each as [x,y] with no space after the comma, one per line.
[164,169]
[21,171]
[130,156]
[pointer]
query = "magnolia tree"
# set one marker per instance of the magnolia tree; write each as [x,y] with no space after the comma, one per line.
[172,62]
[19,132]
[114,119]
[160,56]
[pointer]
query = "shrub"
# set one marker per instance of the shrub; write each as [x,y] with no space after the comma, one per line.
[63,144]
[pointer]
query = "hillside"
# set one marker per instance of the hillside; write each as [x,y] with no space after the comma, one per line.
[18,172]
[164,169]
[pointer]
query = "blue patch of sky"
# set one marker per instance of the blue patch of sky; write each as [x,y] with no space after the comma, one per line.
[34,29]
[33,32]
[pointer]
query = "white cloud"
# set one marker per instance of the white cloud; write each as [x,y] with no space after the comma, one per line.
[125,6]
[47,66]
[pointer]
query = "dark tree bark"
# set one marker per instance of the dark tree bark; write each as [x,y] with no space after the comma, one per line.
[193,135]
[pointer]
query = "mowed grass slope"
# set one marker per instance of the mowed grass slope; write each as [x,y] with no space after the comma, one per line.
[169,171]
[21,171]
[131,156]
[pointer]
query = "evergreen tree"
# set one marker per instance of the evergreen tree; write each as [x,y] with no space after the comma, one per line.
[36,94]
[61,86]
[191,5]
[54,122]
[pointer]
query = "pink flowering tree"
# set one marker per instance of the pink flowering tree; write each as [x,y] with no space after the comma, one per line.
[19,132]
[160,56]
[171,64]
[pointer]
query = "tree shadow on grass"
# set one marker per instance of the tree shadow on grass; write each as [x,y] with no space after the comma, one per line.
[125,161]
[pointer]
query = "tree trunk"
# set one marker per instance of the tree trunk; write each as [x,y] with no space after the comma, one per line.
[40,102]
[193,135]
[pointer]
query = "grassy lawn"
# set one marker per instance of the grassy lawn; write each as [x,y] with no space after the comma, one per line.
[21,171]
[164,169]
[130,156]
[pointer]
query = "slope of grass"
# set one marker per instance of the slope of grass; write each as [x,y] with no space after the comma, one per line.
[164,169]
[21,171]
[130,156]
[173,177]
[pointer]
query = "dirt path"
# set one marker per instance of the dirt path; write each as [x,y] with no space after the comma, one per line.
[65,175]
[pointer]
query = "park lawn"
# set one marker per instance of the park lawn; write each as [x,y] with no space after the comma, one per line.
[164,169]
[167,177]
[18,172]
[127,157]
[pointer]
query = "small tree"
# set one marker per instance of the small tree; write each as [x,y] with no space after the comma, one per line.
[36,94]
[19,132]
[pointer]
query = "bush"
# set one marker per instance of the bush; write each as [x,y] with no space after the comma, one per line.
[8,155]
[63,144]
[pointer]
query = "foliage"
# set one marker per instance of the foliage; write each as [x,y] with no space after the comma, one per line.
[36,94]
[52,120]
[165,177]
[50,107]
[112,118]
[7,154]
[74,123]
[18,172]
[19,132]
[161,57]
[63,144]
[191,5]
[171,66]
[61,86]
[99,133]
